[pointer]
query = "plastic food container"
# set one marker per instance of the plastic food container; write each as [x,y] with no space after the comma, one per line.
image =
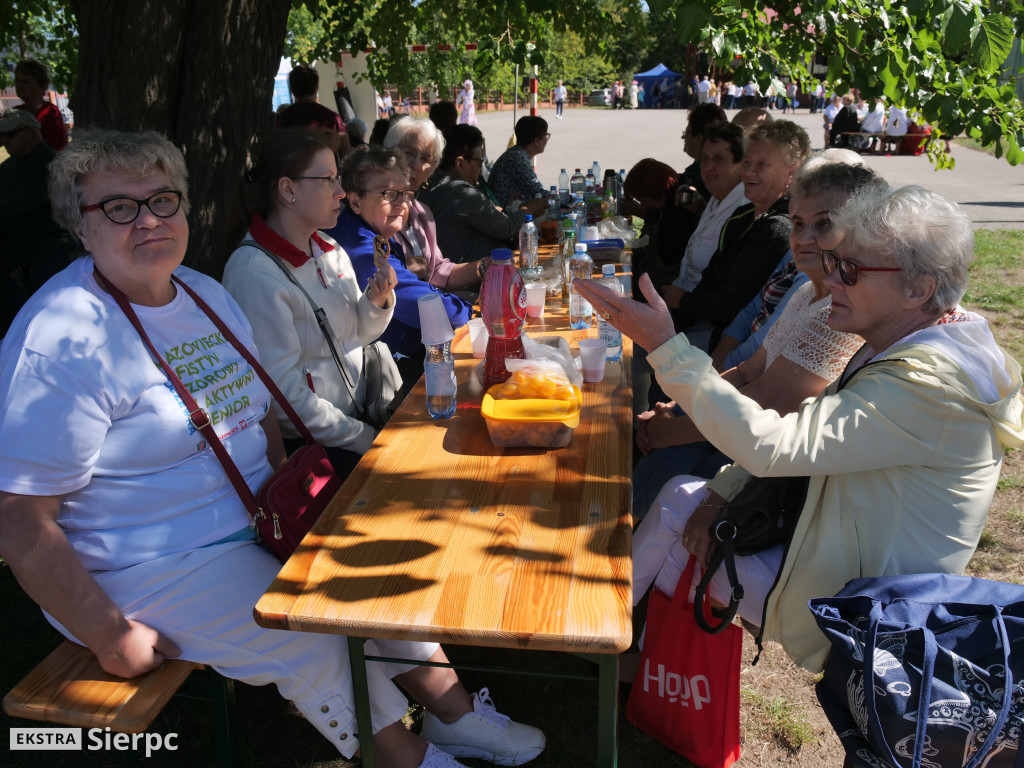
[530,422]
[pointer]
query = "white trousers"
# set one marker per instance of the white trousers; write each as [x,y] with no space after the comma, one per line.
[659,556]
[203,601]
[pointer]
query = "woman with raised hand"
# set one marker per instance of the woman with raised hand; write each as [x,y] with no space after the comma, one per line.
[376,181]
[902,451]
[800,355]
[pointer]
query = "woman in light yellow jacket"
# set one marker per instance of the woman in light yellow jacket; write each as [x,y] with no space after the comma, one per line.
[903,451]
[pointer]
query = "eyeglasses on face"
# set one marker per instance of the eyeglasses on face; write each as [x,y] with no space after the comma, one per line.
[125,210]
[331,180]
[396,195]
[848,271]
[427,158]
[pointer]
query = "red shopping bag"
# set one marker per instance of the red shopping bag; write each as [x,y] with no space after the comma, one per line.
[687,690]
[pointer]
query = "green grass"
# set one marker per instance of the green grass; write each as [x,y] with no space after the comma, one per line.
[783,720]
[996,285]
[966,141]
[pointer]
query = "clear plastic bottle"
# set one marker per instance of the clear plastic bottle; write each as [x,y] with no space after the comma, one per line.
[581,314]
[596,170]
[591,182]
[564,198]
[606,330]
[528,239]
[568,250]
[579,211]
[627,279]
[439,376]
[554,204]
[578,183]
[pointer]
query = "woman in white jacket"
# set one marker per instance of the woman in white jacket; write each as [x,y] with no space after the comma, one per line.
[291,193]
[902,452]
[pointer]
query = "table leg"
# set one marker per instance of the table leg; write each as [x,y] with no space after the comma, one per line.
[357,661]
[607,709]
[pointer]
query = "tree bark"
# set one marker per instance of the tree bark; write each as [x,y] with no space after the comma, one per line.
[199,71]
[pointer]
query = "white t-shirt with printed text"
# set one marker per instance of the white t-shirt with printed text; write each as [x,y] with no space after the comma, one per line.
[89,416]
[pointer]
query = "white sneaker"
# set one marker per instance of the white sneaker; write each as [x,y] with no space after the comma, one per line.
[435,758]
[485,733]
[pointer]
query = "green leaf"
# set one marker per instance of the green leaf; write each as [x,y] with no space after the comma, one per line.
[691,19]
[991,41]
[956,29]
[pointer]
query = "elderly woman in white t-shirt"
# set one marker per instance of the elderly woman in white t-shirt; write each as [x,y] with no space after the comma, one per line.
[125,529]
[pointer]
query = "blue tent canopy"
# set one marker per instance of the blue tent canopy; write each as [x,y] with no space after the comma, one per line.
[655,75]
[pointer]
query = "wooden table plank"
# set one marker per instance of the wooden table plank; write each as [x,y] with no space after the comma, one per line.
[439,535]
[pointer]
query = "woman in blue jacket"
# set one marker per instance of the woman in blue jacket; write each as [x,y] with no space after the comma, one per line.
[377,185]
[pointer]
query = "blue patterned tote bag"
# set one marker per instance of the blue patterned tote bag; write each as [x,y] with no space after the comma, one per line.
[925,671]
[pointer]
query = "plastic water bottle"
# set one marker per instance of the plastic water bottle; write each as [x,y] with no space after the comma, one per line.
[528,237]
[579,211]
[606,330]
[591,182]
[438,366]
[596,170]
[567,251]
[611,187]
[564,198]
[578,183]
[581,314]
[554,203]
[439,376]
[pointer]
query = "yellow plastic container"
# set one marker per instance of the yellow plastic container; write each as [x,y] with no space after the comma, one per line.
[530,422]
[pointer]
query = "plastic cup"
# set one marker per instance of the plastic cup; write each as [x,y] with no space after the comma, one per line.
[478,336]
[435,327]
[536,293]
[592,354]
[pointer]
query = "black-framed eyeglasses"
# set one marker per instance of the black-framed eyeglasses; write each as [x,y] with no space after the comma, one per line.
[848,271]
[394,195]
[475,160]
[331,180]
[125,210]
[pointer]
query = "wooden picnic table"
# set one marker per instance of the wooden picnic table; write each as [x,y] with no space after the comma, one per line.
[438,535]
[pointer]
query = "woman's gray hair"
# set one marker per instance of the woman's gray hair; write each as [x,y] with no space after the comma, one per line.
[924,234]
[833,175]
[98,151]
[361,163]
[786,135]
[415,126]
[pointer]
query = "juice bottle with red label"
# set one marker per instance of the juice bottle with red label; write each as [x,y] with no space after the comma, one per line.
[503,307]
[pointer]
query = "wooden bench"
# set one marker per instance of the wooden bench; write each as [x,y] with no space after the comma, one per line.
[69,687]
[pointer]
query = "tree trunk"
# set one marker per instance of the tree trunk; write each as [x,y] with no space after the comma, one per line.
[199,71]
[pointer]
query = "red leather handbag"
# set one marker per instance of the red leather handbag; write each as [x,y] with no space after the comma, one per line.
[291,499]
[687,689]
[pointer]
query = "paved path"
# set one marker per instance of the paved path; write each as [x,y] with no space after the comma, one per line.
[989,189]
